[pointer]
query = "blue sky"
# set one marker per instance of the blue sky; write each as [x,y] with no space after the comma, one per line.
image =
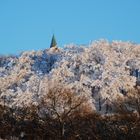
[29,24]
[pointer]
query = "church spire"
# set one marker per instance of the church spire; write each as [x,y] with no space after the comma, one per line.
[53,42]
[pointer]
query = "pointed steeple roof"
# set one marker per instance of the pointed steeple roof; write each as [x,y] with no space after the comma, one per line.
[53,42]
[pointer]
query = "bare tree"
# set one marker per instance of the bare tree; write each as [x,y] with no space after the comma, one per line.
[131,103]
[63,105]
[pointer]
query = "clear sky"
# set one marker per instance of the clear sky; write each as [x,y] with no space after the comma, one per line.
[29,24]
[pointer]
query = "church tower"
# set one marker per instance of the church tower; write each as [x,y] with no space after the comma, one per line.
[53,42]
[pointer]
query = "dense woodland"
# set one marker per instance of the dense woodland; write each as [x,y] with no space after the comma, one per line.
[76,121]
[75,93]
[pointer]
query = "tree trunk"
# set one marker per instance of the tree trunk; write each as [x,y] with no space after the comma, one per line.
[62,133]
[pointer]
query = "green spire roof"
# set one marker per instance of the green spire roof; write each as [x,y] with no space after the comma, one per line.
[53,42]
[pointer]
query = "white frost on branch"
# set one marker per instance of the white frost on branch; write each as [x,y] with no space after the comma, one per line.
[102,70]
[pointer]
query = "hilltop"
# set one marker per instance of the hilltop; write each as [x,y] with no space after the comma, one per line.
[102,71]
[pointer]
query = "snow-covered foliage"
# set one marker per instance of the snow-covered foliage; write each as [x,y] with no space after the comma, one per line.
[102,71]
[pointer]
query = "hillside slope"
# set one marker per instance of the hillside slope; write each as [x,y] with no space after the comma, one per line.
[103,71]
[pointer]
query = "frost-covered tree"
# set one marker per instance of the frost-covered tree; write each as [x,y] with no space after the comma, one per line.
[103,70]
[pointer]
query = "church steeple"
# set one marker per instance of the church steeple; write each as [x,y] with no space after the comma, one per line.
[53,42]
